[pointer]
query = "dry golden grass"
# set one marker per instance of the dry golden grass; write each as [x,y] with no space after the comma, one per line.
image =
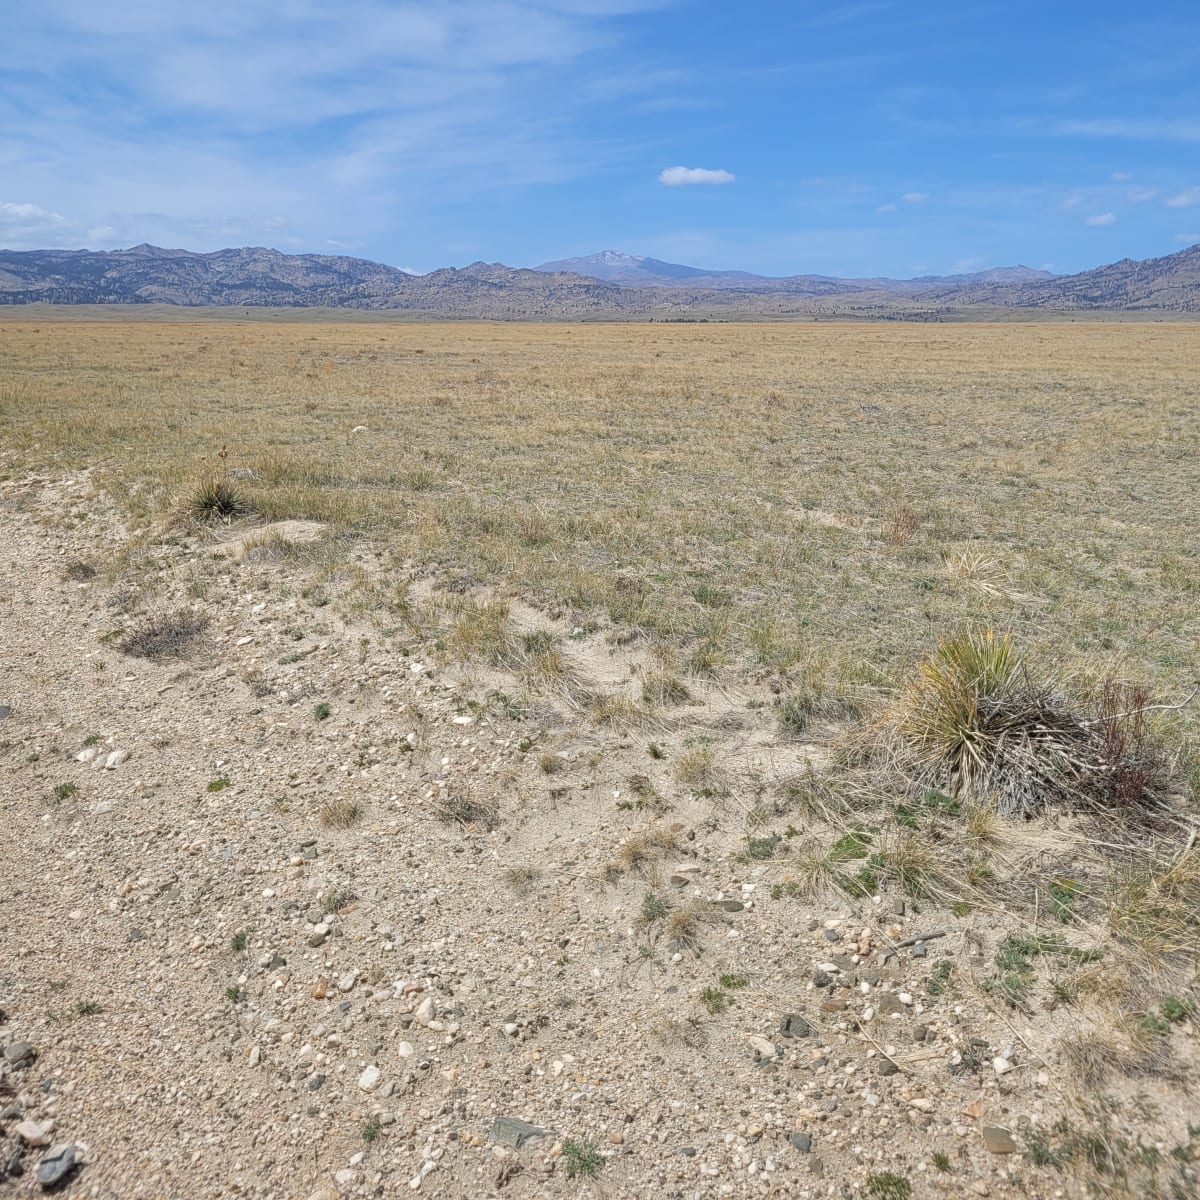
[743,492]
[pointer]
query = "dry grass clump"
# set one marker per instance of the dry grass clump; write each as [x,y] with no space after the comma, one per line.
[685,924]
[977,721]
[480,631]
[1156,908]
[621,713]
[165,635]
[662,689]
[341,813]
[643,848]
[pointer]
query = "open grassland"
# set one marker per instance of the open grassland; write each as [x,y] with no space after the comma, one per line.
[740,661]
[748,497]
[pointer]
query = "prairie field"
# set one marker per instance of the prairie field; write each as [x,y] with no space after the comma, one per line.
[823,498]
[644,690]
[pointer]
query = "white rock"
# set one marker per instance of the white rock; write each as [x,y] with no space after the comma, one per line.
[255,1056]
[922,1104]
[115,759]
[87,755]
[405,1050]
[425,1012]
[763,1046]
[370,1079]
[346,982]
[32,1134]
[1002,1066]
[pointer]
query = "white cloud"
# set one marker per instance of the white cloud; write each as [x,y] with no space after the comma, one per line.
[681,176]
[1187,238]
[1141,195]
[915,197]
[886,208]
[1188,199]
[1072,202]
[1101,219]
[1122,176]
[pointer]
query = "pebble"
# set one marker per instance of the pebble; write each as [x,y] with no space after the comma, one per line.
[56,1165]
[318,936]
[115,759]
[20,1054]
[370,1079]
[1002,1066]
[405,1050]
[346,982]
[425,1012]
[801,1140]
[763,1047]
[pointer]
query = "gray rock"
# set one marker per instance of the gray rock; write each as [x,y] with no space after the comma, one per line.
[832,935]
[887,1067]
[12,1112]
[5,709]
[998,1140]
[794,1025]
[731,906]
[821,980]
[134,935]
[57,1163]
[888,1004]
[920,950]
[315,1082]
[20,1054]
[688,1151]
[801,1140]
[13,1167]
[511,1131]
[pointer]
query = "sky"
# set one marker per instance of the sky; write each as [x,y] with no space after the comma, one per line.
[862,138]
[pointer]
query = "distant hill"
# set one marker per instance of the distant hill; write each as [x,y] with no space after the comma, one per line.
[634,270]
[609,285]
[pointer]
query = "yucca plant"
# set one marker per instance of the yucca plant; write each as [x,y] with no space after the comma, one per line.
[215,498]
[977,721]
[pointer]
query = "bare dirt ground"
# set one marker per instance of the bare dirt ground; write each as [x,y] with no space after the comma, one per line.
[223,996]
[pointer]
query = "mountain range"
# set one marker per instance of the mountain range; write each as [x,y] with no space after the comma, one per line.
[609,285]
[634,270]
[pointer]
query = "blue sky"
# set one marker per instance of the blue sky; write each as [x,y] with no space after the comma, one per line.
[869,137]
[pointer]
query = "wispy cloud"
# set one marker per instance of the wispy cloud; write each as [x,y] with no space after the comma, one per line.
[915,197]
[340,121]
[1142,195]
[683,176]
[1171,129]
[1106,218]
[887,208]
[1187,199]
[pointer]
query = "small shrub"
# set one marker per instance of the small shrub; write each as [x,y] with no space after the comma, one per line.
[733,983]
[64,791]
[215,498]
[79,571]
[88,1008]
[715,999]
[583,1158]
[164,635]
[239,941]
[654,908]
[463,809]
[234,994]
[371,1130]
[763,848]
[322,711]
[217,785]
[887,1185]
